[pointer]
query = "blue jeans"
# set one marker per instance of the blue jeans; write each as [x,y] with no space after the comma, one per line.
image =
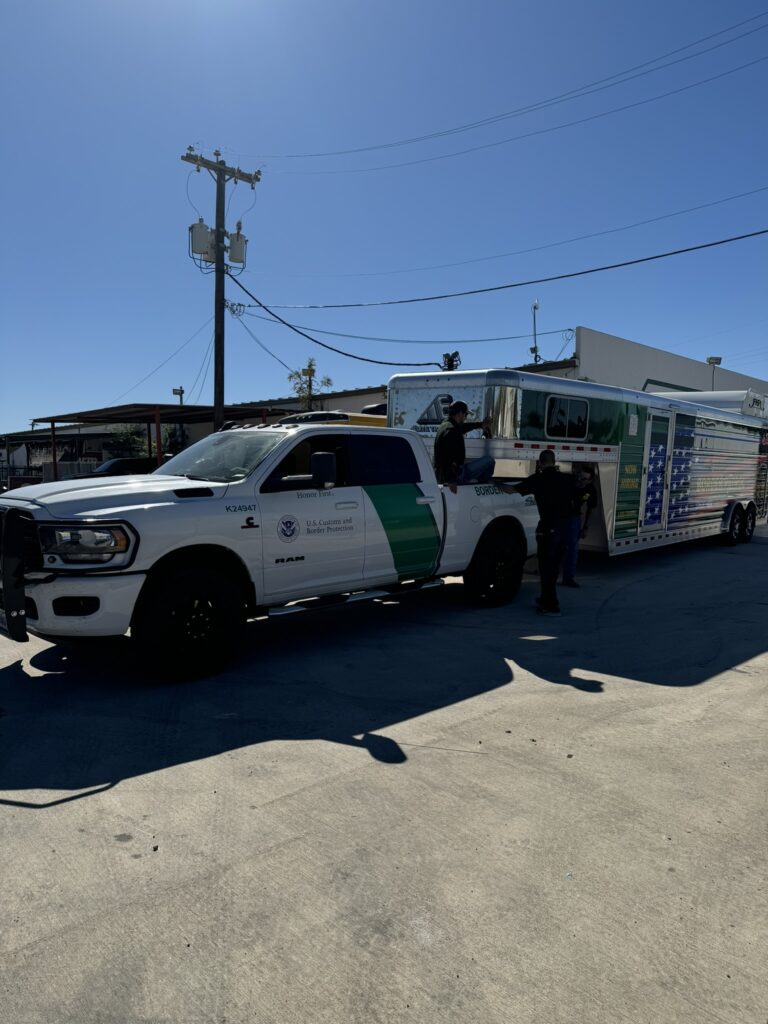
[477,470]
[571,552]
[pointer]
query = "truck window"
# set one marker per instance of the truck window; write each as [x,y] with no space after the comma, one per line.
[567,417]
[382,460]
[222,457]
[296,462]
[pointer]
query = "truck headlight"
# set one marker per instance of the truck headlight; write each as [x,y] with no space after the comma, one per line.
[84,544]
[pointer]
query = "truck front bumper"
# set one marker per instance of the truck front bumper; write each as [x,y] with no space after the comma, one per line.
[58,605]
[83,605]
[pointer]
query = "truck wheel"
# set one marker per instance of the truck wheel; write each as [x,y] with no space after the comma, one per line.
[494,575]
[735,526]
[189,620]
[748,525]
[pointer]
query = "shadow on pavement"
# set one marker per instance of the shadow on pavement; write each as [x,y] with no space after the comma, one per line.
[674,617]
[92,720]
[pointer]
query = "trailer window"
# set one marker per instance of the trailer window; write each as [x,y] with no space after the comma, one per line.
[567,417]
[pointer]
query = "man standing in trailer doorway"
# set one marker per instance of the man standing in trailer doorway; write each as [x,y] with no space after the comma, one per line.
[554,494]
[584,500]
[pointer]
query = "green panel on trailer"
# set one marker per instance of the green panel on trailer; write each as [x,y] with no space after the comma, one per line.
[630,481]
[606,420]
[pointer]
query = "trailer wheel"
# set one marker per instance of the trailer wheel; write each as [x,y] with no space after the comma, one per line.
[735,526]
[189,621]
[748,525]
[494,575]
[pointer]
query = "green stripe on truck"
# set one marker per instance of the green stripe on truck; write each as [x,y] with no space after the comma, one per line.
[410,528]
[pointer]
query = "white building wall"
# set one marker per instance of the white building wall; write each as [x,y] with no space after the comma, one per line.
[607,359]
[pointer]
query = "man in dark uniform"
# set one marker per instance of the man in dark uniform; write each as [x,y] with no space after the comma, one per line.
[451,466]
[584,501]
[554,499]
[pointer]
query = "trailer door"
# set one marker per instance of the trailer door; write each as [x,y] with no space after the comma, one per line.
[654,499]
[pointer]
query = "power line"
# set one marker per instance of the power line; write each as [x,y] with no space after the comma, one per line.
[205,375]
[297,330]
[538,131]
[727,330]
[626,75]
[189,198]
[541,248]
[566,343]
[161,365]
[519,284]
[263,346]
[419,341]
[202,365]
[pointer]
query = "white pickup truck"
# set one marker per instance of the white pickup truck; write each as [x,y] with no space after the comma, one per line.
[247,522]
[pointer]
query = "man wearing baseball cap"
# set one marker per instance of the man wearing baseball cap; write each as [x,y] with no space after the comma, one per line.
[451,466]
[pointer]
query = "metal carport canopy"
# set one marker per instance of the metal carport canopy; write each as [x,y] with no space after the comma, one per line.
[148,414]
[135,413]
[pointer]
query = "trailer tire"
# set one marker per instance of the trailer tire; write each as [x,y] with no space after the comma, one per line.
[189,621]
[748,525]
[735,525]
[494,575]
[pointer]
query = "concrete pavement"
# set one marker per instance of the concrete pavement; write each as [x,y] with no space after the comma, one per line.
[404,811]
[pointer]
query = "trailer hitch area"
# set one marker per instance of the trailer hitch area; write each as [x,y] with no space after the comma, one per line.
[13,622]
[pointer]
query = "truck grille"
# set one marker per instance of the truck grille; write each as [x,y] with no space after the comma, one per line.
[32,555]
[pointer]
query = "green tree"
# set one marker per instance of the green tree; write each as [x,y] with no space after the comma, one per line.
[305,384]
[126,441]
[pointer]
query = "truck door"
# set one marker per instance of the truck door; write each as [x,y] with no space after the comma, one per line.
[313,540]
[654,498]
[403,512]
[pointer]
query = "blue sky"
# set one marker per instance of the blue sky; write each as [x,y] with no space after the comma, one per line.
[102,98]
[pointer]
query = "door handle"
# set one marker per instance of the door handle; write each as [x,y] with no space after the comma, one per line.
[346,504]
[426,500]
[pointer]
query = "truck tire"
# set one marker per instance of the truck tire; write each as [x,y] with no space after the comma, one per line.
[748,525]
[189,621]
[735,526]
[494,575]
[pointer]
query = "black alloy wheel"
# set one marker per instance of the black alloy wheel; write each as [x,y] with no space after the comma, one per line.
[494,575]
[189,620]
[735,526]
[748,525]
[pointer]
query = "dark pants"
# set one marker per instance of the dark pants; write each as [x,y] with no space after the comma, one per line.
[479,470]
[550,547]
[571,553]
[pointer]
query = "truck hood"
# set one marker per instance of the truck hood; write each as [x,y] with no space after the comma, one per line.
[109,495]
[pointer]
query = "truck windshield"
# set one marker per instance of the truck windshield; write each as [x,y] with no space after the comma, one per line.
[223,457]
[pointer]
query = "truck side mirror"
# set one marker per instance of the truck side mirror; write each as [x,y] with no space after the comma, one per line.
[322,466]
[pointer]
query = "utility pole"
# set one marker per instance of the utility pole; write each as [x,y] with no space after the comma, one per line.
[713,362]
[221,173]
[535,349]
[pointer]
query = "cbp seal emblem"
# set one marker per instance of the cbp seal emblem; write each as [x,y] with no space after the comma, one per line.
[288,529]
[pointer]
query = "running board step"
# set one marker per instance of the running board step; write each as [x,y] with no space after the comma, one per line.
[334,600]
[310,603]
